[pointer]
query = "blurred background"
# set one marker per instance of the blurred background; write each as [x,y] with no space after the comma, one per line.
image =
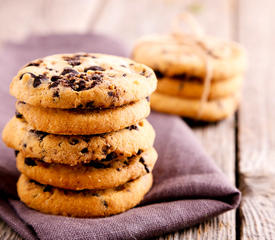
[122,18]
[243,146]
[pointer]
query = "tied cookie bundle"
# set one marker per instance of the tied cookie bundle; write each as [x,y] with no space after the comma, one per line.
[199,77]
[83,145]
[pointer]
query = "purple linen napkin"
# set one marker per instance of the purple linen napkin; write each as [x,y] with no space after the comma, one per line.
[188,187]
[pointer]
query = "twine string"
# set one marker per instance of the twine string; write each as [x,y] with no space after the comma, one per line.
[192,41]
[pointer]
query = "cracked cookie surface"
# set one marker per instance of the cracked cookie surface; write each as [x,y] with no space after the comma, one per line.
[83,80]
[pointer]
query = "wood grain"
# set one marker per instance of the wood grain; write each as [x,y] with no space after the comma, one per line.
[257,121]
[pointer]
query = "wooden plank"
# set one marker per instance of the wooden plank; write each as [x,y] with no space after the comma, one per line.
[257,121]
[6,233]
[130,20]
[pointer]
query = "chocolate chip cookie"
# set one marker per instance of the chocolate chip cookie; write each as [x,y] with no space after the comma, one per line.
[82,80]
[172,56]
[73,150]
[93,175]
[85,203]
[83,121]
[211,111]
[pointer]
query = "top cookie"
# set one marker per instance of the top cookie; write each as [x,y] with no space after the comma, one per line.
[82,81]
[172,55]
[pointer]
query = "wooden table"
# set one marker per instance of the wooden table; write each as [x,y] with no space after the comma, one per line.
[244,145]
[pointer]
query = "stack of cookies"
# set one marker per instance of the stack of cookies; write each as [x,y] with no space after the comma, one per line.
[83,145]
[198,77]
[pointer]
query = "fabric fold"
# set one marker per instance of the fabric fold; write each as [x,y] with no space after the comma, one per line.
[188,187]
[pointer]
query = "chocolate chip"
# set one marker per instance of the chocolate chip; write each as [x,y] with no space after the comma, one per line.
[95,194]
[56,94]
[18,115]
[39,134]
[47,188]
[38,80]
[90,104]
[105,204]
[124,74]
[126,163]
[54,84]
[143,72]
[84,150]
[16,153]
[97,165]
[24,145]
[30,162]
[73,61]
[158,74]
[70,71]
[132,127]
[94,68]
[148,99]
[120,188]
[86,138]
[122,65]
[110,156]
[118,169]
[139,152]
[54,78]
[73,141]
[105,148]
[142,161]
[79,106]
[35,64]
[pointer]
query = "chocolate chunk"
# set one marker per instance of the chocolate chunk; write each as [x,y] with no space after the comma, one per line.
[143,72]
[124,74]
[56,94]
[16,153]
[126,163]
[94,68]
[148,99]
[47,188]
[39,134]
[84,150]
[24,145]
[73,141]
[118,169]
[132,127]
[142,161]
[69,71]
[30,162]
[18,115]
[113,94]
